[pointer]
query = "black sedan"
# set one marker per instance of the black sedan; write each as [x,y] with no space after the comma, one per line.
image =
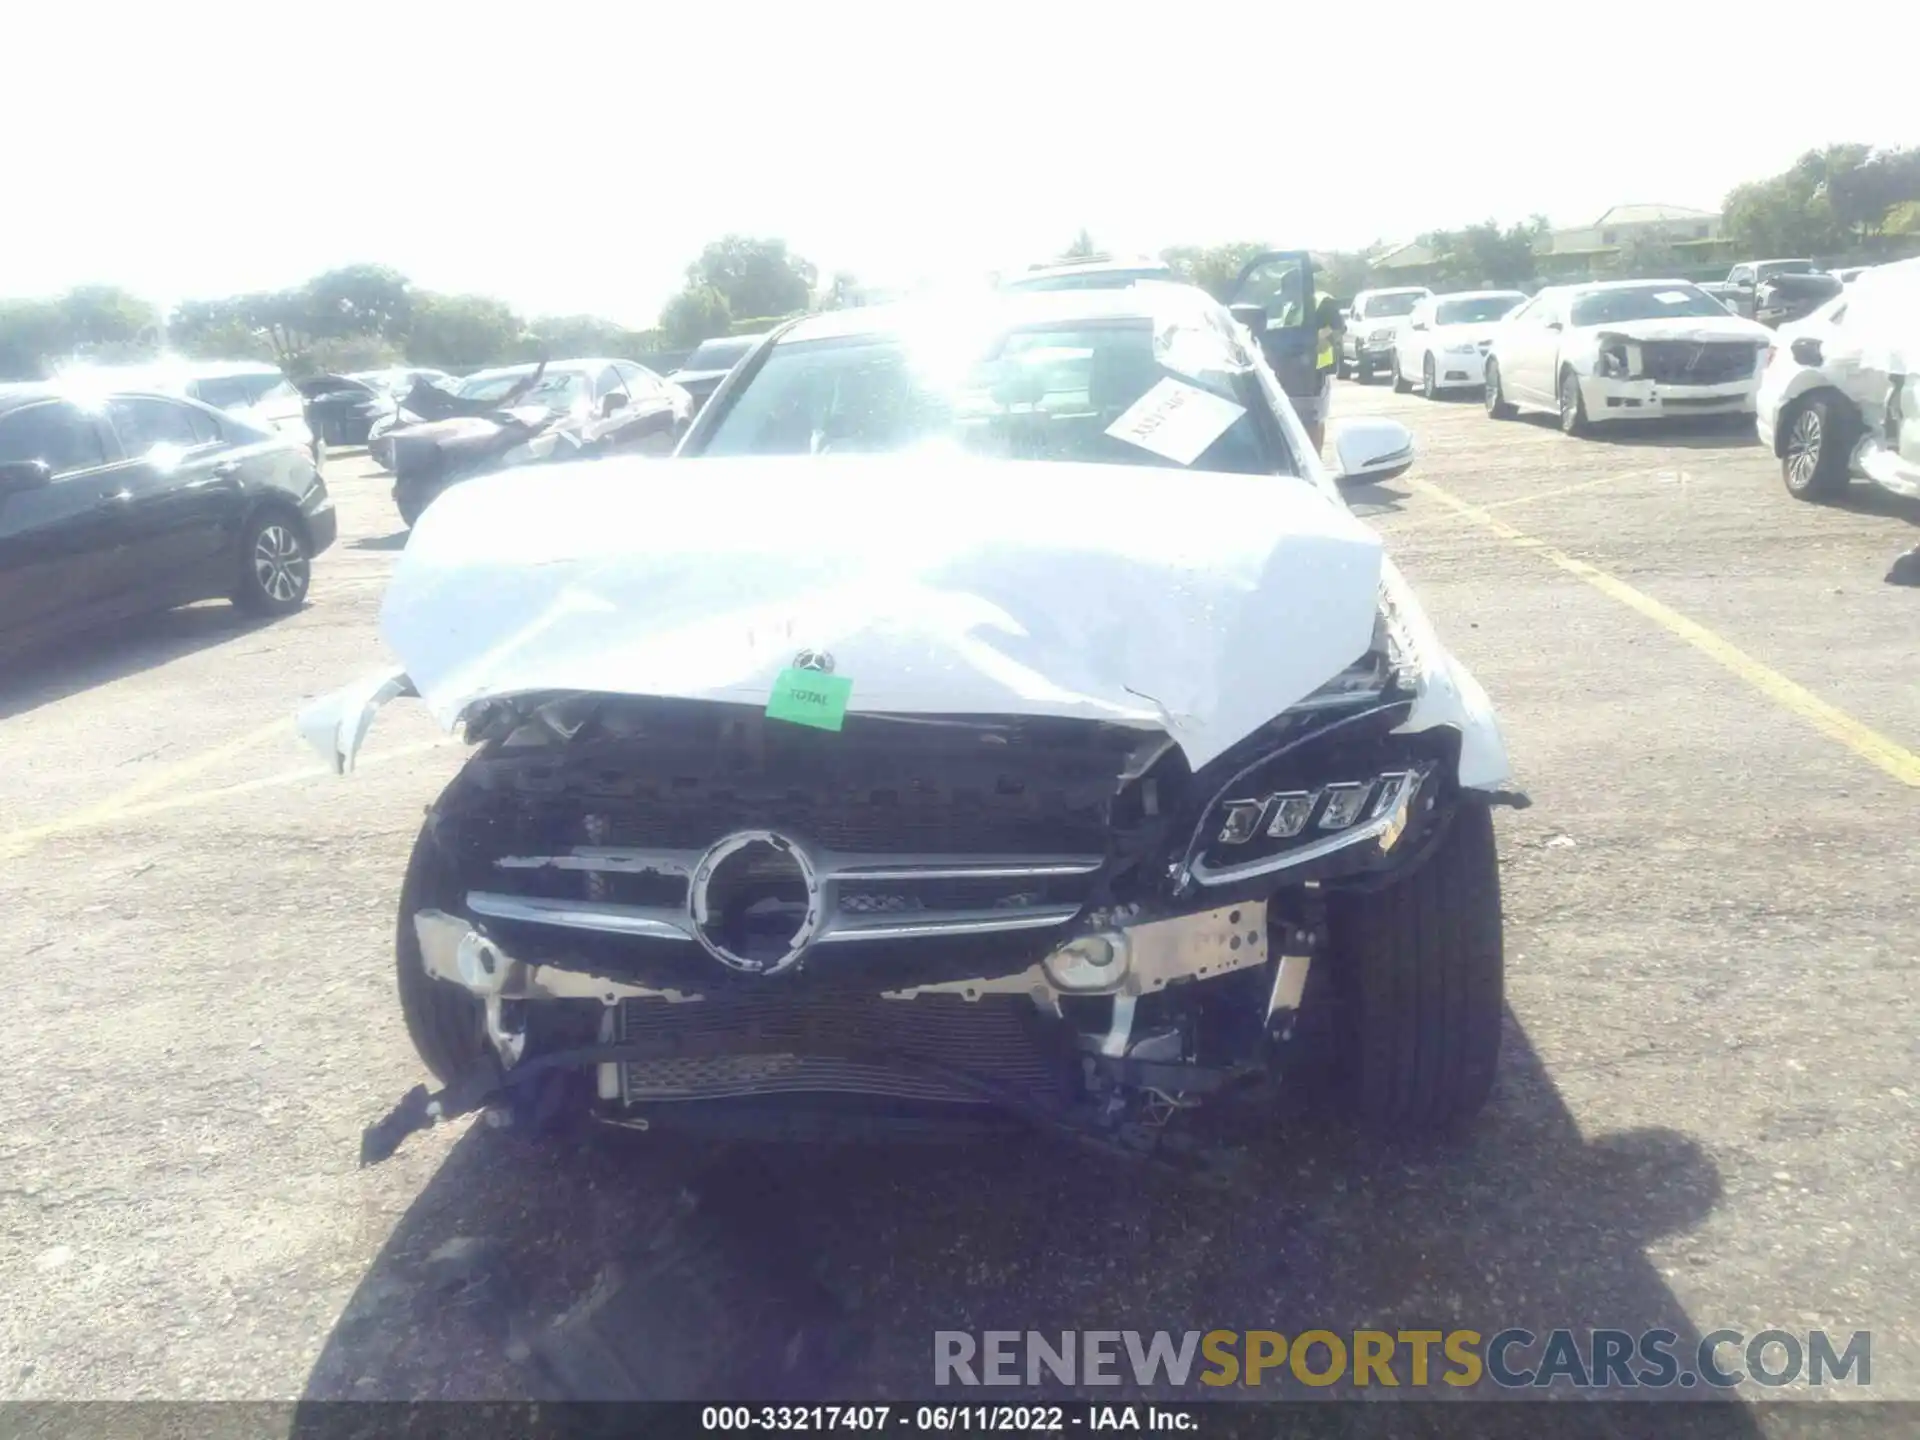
[343,409]
[119,504]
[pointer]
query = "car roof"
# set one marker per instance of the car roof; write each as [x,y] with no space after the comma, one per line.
[1478,294]
[19,393]
[563,367]
[1396,290]
[1592,287]
[1150,302]
[1090,267]
[212,369]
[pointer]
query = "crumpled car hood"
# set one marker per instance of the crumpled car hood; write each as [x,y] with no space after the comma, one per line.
[1201,604]
[1696,328]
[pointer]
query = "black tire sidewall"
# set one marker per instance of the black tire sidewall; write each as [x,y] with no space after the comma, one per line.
[1419,975]
[444,1022]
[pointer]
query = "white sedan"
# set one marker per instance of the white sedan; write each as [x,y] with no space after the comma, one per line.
[1624,350]
[1443,344]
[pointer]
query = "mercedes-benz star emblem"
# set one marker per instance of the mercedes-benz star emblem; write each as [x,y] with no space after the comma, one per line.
[755,901]
[820,660]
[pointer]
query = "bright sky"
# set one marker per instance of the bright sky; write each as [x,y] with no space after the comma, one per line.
[576,157]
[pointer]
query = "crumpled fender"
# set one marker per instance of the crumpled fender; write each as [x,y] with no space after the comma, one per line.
[1449,695]
[337,724]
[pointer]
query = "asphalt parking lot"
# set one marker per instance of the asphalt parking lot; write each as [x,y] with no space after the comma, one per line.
[1706,1117]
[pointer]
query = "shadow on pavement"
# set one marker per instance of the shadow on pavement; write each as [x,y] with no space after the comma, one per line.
[395,541]
[1707,432]
[48,673]
[1865,498]
[1367,500]
[1524,1224]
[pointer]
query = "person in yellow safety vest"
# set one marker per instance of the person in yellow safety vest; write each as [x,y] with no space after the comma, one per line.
[1329,326]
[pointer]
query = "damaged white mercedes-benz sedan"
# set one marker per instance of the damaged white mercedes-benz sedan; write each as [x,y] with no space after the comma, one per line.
[986,717]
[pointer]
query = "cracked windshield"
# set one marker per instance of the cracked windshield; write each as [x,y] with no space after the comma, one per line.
[630,774]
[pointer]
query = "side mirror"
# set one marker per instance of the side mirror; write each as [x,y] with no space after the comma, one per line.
[1555,325]
[1371,450]
[1418,325]
[19,476]
[1254,317]
[613,403]
[1806,350]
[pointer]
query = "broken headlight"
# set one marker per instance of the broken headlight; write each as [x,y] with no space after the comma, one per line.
[1350,783]
[1611,363]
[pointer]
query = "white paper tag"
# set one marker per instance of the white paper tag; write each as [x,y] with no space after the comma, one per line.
[1672,297]
[1176,420]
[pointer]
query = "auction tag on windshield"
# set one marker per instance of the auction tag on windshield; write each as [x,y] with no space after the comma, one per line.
[810,697]
[1176,420]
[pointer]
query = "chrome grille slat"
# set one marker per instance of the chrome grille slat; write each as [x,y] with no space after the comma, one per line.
[645,921]
[893,914]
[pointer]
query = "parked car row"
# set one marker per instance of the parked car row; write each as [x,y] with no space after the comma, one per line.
[120,500]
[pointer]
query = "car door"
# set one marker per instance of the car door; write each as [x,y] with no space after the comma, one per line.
[1415,340]
[184,493]
[1281,283]
[57,541]
[1537,345]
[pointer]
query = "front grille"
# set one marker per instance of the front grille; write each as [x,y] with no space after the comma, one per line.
[1687,362]
[989,830]
[782,1041]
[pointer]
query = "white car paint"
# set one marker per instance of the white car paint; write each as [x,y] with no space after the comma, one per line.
[1544,339]
[1372,324]
[1454,331]
[1869,339]
[1120,597]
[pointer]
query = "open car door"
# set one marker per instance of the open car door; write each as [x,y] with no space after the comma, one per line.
[1280,283]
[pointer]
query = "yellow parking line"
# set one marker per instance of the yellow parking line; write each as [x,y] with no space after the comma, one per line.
[18,842]
[1902,764]
[1531,499]
[159,780]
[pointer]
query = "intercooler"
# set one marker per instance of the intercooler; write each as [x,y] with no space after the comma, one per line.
[788,1043]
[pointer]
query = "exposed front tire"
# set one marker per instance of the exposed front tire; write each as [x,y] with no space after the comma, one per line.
[1401,385]
[1573,405]
[1498,407]
[1362,372]
[275,565]
[1815,451]
[445,1023]
[1429,381]
[1418,972]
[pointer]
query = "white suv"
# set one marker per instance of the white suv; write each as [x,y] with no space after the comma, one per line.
[1840,395]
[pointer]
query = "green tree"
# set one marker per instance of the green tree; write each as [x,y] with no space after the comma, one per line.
[1213,268]
[31,336]
[1343,273]
[754,276]
[1864,195]
[359,300]
[697,313]
[583,336]
[451,331]
[1793,213]
[1083,248]
[843,292]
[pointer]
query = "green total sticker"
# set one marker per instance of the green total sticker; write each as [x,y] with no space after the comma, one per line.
[810,697]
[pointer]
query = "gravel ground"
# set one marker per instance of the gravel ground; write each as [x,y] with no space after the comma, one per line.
[1706,1117]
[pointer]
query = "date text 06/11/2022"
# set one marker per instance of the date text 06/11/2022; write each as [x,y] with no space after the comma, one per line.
[963,1419]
